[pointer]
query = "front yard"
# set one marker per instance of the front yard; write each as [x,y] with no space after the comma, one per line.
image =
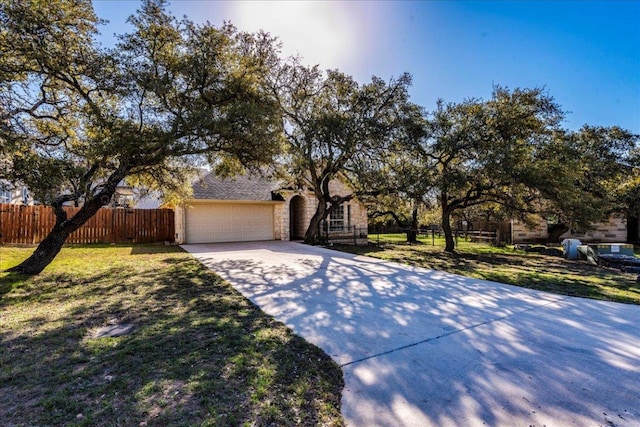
[200,353]
[505,265]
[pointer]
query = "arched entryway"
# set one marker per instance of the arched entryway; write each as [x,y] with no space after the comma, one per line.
[297,220]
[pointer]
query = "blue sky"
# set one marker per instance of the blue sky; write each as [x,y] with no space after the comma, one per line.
[585,53]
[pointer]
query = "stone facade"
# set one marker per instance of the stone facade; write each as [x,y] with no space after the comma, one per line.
[293,217]
[520,233]
[613,231]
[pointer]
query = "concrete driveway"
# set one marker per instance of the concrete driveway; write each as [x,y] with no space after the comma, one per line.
[421,347]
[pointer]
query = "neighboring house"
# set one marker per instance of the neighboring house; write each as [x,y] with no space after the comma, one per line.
[124,197]
[251,207]
[135,198]
[152,200]
[15,194]
[613,231]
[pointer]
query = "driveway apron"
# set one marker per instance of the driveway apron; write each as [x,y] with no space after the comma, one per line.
[420,347]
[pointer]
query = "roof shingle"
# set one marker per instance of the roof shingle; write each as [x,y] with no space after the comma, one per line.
[250,186]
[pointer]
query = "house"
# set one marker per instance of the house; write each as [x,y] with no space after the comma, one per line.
[15,194]
[614,231]
[254,207]
[125,196]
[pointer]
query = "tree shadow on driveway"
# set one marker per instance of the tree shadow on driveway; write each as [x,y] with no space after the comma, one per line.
[423,347]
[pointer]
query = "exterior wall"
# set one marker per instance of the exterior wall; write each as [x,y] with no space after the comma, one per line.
[521,234]
[359,218]
[613,231]
[299,212]
[305,212]
[278,218]
[152,200]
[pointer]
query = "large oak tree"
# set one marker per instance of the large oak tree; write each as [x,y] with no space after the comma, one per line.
[407,185]
[336,128]
[78,118]
[585,176]
[512,151]
[483,152]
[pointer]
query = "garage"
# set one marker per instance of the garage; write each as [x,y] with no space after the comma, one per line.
[228,222]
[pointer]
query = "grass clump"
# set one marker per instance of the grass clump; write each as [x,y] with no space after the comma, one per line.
[200,353]
[506,265]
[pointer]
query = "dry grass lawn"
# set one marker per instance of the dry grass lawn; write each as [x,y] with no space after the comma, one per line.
[200,354]
[505,265]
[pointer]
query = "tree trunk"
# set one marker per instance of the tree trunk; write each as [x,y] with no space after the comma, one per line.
[312,234]
[450,244]
[51,245]
[555,231]
[45,252]
[412,232]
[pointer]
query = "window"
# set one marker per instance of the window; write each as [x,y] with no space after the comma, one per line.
[25,196]
[348,216]
[336,220]
[5,195]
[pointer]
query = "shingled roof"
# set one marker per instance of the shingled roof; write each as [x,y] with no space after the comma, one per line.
[250,186]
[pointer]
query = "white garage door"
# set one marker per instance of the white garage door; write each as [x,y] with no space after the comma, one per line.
[209,223]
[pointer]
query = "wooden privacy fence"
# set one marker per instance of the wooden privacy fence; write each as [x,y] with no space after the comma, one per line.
[30,224]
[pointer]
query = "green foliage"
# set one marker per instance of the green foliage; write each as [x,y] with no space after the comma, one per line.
[590,175]
[510,157]
[406,185]
[482,152]
[170,95]
[336,128]
[78,118]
